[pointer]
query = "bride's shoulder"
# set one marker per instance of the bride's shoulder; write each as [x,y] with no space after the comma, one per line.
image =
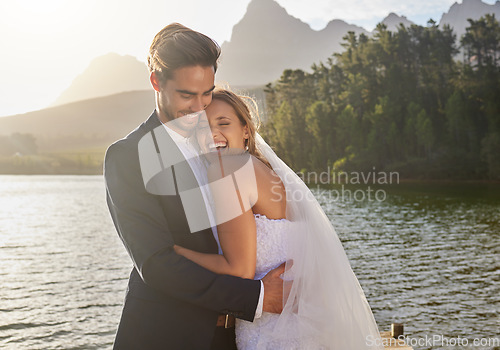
[263,171]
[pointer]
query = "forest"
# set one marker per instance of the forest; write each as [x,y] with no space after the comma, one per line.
[416,101]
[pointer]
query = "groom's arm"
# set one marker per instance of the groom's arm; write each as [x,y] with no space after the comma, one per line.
[142,226]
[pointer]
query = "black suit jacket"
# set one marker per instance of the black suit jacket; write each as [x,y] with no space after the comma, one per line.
[171,302]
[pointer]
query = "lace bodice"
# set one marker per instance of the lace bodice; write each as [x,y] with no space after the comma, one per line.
[271,252]
[271,244]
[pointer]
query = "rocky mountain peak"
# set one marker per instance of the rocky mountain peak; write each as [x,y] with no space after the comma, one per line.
[392,21]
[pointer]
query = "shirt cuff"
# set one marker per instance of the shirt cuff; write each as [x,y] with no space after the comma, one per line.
[260,305]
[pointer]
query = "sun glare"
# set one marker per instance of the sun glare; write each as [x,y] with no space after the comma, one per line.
[34,16]
[41,7]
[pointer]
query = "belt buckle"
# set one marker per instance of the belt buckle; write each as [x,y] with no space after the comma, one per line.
[226,321]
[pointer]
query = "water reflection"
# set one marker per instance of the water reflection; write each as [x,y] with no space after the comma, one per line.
[427,256]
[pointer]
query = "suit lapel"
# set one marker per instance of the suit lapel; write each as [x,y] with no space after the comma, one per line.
[167,173]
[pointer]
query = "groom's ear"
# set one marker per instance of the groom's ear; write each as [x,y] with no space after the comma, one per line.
[155,82]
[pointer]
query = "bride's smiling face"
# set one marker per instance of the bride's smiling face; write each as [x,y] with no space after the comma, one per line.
[227,129]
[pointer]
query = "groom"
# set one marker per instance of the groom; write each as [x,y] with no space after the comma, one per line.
[172,303]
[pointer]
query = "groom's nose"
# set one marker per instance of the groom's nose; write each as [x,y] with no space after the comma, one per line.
[199,103]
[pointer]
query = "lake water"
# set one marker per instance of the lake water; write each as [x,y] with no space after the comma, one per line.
[427,256]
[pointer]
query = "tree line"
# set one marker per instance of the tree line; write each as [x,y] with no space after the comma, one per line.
[411,101]
[17,143]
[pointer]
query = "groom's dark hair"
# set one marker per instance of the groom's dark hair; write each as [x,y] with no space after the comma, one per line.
[177,46]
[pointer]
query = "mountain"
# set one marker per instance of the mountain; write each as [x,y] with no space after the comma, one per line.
[393,21]
[458,14]
[93,123]
[268,40]
[107,75]
[263,43]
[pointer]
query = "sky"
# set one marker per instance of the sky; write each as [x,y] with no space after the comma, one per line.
[45,44]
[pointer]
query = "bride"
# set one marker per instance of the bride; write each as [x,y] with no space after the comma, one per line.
[265,216]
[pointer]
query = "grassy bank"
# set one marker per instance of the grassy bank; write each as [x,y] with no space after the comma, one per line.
[67,163]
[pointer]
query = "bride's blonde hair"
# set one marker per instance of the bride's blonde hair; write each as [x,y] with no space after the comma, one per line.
[244,107]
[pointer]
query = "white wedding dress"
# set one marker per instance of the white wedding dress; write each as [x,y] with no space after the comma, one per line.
[271,252]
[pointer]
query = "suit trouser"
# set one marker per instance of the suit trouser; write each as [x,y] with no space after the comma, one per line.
[224,339]
[138,333]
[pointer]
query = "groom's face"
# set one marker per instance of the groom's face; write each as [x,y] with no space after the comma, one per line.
[189,91]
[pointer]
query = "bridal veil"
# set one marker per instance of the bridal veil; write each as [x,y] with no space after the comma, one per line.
[323,303]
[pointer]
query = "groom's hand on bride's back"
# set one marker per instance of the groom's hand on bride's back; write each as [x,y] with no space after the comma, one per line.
[273,289]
